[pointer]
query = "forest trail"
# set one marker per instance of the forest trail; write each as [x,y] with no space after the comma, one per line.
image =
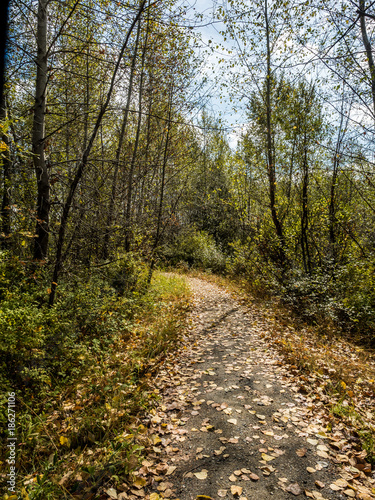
[231,422]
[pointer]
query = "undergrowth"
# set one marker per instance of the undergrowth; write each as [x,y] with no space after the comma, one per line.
[80,374]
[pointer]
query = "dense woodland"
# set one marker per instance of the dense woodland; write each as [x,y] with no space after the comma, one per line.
[114,166]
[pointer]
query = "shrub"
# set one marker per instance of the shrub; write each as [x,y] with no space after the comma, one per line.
[196,248]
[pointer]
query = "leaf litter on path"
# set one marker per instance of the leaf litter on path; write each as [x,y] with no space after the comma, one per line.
[223,369]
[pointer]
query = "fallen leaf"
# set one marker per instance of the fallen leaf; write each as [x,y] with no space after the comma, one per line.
[334,487]
[140,482]
[221,493]
[267,458]
[301,452]
[232,421]
[341,483]
[170,470]
[314,442]
[236,490]
[319,484]
[201,475]
[294,489]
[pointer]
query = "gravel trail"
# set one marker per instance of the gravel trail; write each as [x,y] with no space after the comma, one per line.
[232,423]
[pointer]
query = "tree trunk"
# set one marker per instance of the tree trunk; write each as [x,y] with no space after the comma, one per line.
[270,149]
[124,124]
[5,205]
[38,133]
[83,162]
[162,186]
[128,210]
[304,217]
[368,48]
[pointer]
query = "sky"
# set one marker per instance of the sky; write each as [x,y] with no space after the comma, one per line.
[217,97]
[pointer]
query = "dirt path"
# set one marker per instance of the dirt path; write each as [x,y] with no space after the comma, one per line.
[232,424]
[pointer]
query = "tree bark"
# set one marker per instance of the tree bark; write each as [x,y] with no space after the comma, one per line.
[128,210]
[7,172]
[83,162]
[38,134]
[270,150]
[124,124]
[368,48]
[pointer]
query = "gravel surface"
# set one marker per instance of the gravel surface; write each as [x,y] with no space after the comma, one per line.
[233,423]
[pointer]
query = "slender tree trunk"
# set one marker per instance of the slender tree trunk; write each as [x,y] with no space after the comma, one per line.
[124,124]
[38,134]
[7,172]
[83,162]
[305,216]
[162,186]
[270,149]
[128,211]
[368,48]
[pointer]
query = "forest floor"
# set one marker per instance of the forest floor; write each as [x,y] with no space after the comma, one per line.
[235,419]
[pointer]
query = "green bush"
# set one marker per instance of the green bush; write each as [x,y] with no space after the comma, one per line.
[247,262]
[197,249]
[41,346]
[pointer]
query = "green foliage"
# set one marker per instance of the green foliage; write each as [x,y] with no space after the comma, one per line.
[128,274]
[196,248]
[96,331]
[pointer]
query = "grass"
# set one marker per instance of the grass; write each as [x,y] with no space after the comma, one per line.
[87,432]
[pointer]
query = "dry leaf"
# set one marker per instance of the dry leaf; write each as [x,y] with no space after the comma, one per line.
[112,493]
[221,493]
[314,442]
[236,490]
[170,470]
[301,452]
[294,489]
[201,475]
[232,421]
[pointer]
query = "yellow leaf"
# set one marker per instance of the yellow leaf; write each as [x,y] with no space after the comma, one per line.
[201,475]
[343,385]
[64,441]
[155,439]
[140,482]
[236,490]
[154,496]
[267,458]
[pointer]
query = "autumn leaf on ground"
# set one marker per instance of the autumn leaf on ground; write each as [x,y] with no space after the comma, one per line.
[301,452]
[236,490]
[294,489]
[201,475]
